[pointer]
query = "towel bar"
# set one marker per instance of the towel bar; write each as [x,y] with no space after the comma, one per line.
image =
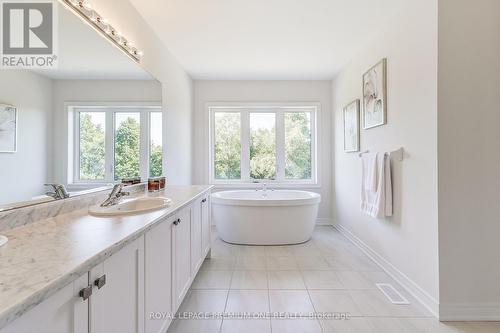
[396,154]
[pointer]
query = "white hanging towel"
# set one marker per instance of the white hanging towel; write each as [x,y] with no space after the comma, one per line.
[370,171]
[376,201]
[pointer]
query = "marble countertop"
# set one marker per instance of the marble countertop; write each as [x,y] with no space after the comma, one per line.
[43,257]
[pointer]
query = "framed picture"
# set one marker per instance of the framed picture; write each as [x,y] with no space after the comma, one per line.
[8,129]
[351,127]
[375,95]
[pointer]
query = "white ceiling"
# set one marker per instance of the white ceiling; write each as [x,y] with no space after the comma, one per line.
[265,39]
[85,54]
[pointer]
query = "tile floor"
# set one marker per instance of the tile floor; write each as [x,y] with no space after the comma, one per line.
[328,274]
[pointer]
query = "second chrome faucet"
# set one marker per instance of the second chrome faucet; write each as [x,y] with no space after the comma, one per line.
[115,196]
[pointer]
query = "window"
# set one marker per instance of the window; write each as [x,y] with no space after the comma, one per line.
[92,145]
[227,145]
[260,143]
[155,144]
[298,144]
[127,144]
[112,143]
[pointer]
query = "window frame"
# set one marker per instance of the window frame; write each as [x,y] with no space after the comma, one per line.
[110,110]
[279,109]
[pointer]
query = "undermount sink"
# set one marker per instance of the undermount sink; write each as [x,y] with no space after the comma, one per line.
[131,206]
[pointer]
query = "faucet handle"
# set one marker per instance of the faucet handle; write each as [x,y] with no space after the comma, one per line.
[123,193]
[117,188]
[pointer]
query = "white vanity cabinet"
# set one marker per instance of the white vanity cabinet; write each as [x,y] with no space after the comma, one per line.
[196,236]
[109,298]
[117,301]
[63,312]
[174,251]
[137,289]
[200,232]
[181,255]
[158,276]
[205,225]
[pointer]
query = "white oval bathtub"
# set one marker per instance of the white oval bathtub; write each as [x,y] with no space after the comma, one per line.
[265,217]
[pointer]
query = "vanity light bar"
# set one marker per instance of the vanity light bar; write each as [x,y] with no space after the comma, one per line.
[84,8]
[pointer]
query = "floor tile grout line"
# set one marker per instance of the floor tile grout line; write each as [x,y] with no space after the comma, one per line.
[312,303]
[269,301]
[227,299]
[321,253]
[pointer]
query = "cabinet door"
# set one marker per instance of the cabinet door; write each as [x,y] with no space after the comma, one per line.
[196,237]
[181,237]
[205,225]
[63,312]
[118,306]
[158,276]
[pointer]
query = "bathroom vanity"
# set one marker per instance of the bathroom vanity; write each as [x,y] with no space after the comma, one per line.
[79,273]
[71,133]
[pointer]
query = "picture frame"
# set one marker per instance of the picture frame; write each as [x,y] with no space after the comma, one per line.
[351,126]
[8,128]
[375,95]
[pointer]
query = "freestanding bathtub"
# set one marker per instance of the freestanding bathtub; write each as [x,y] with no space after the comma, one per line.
[272,217]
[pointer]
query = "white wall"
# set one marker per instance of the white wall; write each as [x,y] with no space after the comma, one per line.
[24,172]
[66,91]
[408,241]
[177,86]
[469,159]
[265,91]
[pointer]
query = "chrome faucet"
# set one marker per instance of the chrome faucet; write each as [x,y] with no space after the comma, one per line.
[115,196]
[59,191]
[264,186]
[264,189]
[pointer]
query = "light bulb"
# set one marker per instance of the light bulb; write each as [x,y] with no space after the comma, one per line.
[87,5]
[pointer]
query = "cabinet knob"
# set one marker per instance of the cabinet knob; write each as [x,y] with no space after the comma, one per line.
[85,292]
[204,200]
[176,222]
[100,282]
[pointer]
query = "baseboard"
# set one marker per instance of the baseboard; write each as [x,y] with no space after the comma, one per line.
[409,285]
[324,221]
[469,312]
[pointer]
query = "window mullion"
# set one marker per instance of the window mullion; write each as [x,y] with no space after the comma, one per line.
[314,144]
[76,146]
[109,146]
[211,153]
[245,146]
[280,145]
[144,135]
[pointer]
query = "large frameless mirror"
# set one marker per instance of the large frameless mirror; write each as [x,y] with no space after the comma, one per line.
[93,120]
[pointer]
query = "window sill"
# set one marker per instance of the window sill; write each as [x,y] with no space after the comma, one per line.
[90,185]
